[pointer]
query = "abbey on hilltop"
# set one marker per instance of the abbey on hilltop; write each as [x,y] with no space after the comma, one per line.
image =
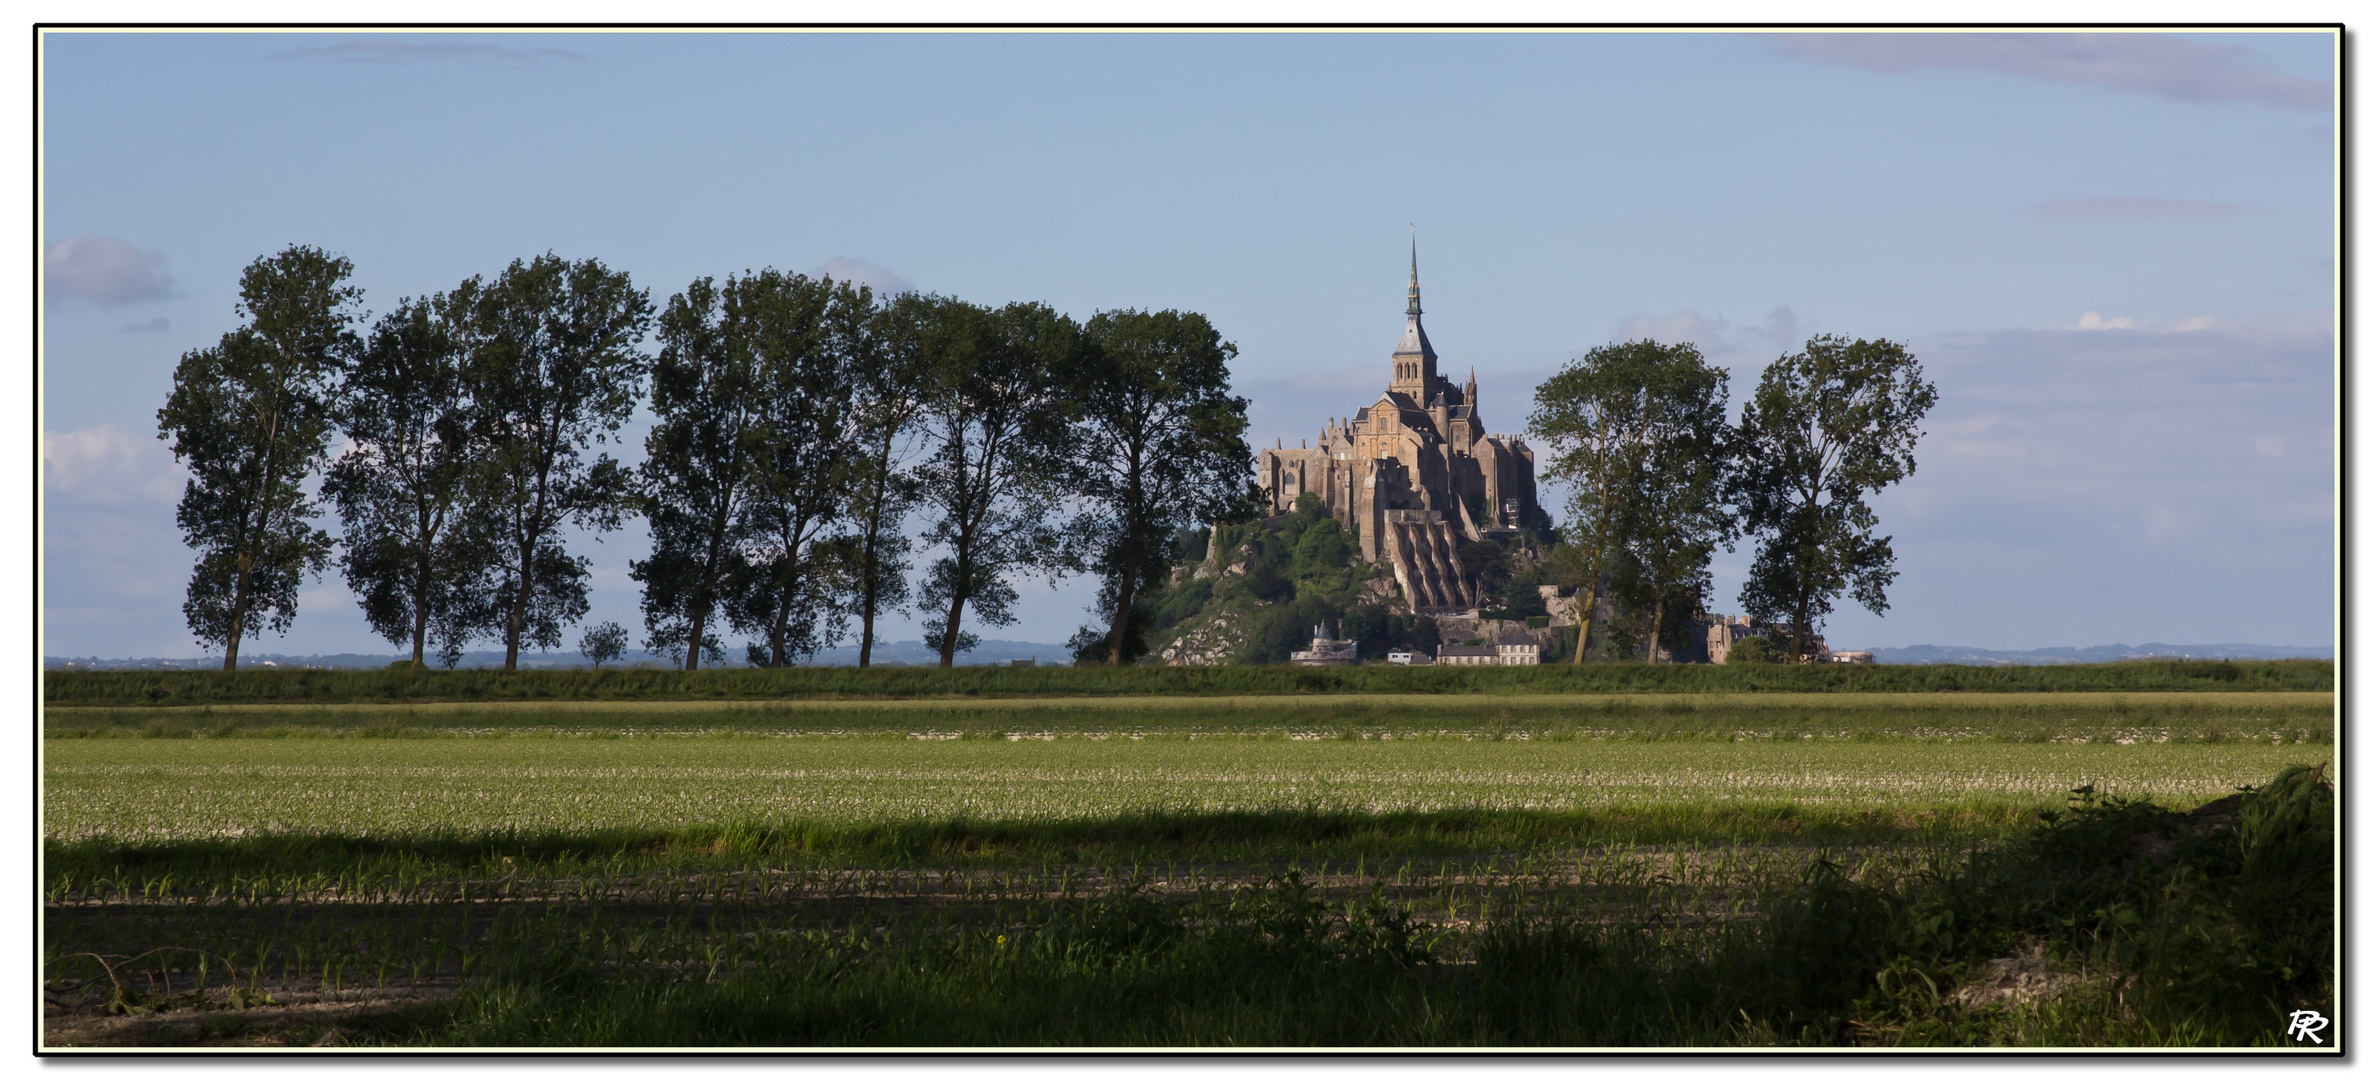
[1414,474]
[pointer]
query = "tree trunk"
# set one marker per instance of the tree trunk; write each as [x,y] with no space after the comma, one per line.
[1585,614]
[239,615]
[778,657]
[1800,631]
[867,592]
[1122,628]
[693,643]
[519,614]
[949,632]
[1659,611]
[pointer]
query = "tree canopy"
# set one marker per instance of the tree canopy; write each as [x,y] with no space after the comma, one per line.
[251,419]
[1829,425]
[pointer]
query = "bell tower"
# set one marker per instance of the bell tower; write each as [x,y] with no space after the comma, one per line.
[1415,361]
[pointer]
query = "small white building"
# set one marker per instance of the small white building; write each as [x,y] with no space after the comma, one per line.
[1409,656]
[1326,651]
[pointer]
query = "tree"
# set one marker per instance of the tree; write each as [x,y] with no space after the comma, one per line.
[1165,447]
[1674,502]
[1604,416]
[251,418]
[553,372]
[698,468]
[400,487]
[888,394]
[602,643]
[1000,439]
[806,338]
[1828,425]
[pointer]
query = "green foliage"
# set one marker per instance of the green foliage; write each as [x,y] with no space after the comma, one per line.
[1167,449]
[401,488]
[251,419]
[1637,432]
[998,424]
[1753,650]
[553,373]
[602,643]
[149,688]
[1828,426]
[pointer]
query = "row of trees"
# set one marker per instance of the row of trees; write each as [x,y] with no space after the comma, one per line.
[1659,479]
[799,424]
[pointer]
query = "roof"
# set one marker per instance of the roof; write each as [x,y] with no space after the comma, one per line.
[1415,340]
[1466,650]
[1513,635]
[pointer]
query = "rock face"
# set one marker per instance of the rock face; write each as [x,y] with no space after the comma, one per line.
[1203,642]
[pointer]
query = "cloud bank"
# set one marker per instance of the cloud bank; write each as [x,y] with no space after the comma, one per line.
[2160,64]
[105,270]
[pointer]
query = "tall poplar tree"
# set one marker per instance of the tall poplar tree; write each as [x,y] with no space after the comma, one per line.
[554,373]
[889,391]
[806,337]
[418,573]
[1165,448]
[1673,504]
[1001,436]
[1829,425]
[698,467]
[251,420]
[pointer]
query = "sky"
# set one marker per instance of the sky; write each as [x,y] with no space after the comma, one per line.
[2113,254]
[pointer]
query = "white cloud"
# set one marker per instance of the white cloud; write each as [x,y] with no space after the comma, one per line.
[110,467]
[105,270]
[862,272]
[2091,321]
[2161,64]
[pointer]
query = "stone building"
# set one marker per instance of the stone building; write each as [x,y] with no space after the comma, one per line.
[1512,648]
[1413,474]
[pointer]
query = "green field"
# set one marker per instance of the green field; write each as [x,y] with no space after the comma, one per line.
[1618,869]
[170,688]
[2285,716]
[146,791]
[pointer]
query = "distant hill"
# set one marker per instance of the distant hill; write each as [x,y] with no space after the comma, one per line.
[2096,654]
[890,653]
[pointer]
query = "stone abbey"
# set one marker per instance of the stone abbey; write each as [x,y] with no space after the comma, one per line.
[1414,474]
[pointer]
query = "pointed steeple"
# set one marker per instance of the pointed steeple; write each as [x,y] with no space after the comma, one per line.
[1412,297]
[1415,361]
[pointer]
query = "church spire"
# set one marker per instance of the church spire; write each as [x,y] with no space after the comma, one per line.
[1415,361]
[1412,298]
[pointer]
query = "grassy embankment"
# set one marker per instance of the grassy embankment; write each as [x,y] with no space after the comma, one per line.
[181,688]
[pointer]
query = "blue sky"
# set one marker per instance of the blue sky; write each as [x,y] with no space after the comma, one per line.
[2113,254]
